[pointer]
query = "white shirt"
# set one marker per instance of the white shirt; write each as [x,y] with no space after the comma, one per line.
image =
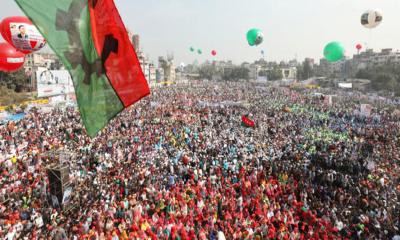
[221,236]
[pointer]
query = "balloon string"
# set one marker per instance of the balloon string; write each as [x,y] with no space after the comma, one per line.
[371,46]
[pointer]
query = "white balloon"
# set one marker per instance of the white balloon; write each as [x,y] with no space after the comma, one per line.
[182,66]
[259,39]
[371,18]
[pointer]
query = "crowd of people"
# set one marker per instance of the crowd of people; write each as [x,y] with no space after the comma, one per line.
[180,165]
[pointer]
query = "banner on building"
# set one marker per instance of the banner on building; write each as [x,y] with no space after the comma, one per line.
[346,85]
[53,83]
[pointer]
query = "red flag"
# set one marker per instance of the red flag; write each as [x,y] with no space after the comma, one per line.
[123,67]
[247,122]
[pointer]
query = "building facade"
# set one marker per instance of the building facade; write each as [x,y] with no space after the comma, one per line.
[35,61]
[136,42]
[169,70]
[289,73]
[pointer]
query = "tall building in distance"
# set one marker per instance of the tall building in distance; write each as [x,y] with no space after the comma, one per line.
[168,68]
[136,42]
[164,73]
[148,68]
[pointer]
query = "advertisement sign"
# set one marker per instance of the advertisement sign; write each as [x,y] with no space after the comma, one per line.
[346,85]
[53,83]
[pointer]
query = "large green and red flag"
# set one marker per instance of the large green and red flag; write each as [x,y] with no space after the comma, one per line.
[91,40]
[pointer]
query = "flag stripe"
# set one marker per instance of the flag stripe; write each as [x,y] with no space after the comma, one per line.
[111,41]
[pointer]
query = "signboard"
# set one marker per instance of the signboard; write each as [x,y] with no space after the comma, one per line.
[53,83]
[346,85]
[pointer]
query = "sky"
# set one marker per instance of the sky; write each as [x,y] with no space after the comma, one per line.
[291,27]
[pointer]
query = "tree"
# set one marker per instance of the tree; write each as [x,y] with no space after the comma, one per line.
[300,73]
[17,81]
[236,73]
[363,74]
[262,73]
[207,71]
[241,73]
[383,78]
[392,84]
[307,70]
[275,74]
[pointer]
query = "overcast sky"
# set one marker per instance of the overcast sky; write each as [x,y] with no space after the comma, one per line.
[290,27]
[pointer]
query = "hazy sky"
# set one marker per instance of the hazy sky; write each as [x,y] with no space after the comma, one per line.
[291,27]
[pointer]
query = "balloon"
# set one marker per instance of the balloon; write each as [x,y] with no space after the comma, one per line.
[213,52]
[182,66]
[255,37]
[22,34]
[10,59]
[371,18]
[199,51]
[192,49]
[358,47]
[334,51]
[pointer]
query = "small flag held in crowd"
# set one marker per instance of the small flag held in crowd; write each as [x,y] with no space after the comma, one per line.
[327,100]
[366,110]
[91,40]
[246,122]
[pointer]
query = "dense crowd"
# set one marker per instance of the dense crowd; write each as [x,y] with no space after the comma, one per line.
[180,165]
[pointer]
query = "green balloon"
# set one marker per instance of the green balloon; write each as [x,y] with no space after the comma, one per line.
[199,51]
[255,37]
[192,49]
[334,51]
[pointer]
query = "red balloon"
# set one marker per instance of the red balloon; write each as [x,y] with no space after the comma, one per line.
[22,34]
[358,46]
[11,60]
[213,52]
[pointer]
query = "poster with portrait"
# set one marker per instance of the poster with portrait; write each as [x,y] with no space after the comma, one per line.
[53,82]
[26,37]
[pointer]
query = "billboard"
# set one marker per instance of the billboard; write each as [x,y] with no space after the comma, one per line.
[346,85]
[53,82]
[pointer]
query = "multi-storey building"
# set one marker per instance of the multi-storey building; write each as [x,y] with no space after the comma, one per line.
[136,42]
[349,67]
[34,61]
[169,70]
